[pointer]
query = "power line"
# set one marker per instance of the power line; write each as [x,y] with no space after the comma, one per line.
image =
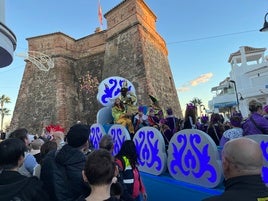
[210,37]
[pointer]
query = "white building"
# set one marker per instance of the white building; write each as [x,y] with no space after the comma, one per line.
[248,80]
[8,41]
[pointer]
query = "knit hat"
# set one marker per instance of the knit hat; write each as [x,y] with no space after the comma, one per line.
[77,135]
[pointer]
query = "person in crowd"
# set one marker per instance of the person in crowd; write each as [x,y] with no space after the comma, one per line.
[255,123]
[203,123]
[127,160]
[172,121]
[35,147]
[155,106]
[13,185]
[107,143]
[215,128]
[58,137]
[121,116]
[265,111]
[234,132]
[165,131]
[30,162]
[54,133]
[140,119]
[45,148]
[234,112]
[2,135]
[153,120]
[118,189]
[129,100]
[61,170]
[99,172]
[242,170]
[190,119]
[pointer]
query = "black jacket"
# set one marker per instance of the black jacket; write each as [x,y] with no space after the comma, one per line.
[14,186]
[244,188]
[61,173]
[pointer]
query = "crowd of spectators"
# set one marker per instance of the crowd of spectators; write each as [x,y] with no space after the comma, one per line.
[61,166]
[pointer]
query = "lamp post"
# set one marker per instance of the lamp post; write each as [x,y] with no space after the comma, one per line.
[241,97]
[236,95]
[265,25]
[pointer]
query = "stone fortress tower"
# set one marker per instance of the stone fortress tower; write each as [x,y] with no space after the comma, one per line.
[130,47]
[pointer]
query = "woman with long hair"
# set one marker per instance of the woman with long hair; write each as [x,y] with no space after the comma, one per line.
[190,120]
[127,160]
[215,128]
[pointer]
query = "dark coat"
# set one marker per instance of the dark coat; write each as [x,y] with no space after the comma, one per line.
[244,188]
[14,186]
[61,173]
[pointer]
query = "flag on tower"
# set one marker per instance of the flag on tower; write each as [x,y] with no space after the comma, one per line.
[100,13]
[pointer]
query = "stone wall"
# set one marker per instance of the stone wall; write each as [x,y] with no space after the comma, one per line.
[130,48]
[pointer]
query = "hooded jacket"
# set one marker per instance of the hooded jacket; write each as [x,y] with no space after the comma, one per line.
[61,172]
[14,186]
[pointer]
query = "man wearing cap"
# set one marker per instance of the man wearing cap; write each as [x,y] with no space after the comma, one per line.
[69,161]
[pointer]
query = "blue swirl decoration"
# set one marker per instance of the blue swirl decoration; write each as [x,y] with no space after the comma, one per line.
[264,147]
[118,138]
[191,159]
[112,90]
[147,150]
[95,136]
[108,90]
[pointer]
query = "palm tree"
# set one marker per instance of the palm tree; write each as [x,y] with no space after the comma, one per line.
[3,99]
[197,102]
[4,112]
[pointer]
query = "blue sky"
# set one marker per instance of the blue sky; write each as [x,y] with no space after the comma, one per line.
[200,36]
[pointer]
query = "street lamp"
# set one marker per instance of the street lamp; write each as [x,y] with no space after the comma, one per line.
[265,25]
[236,95]
[241,97]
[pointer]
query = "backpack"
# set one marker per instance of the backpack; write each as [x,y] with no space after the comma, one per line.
[126,172]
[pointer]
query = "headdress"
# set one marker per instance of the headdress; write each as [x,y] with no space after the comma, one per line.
[50,129]
[124,86]
[53,128]
[204,118]
[154,100]
[169,111]
[190,106]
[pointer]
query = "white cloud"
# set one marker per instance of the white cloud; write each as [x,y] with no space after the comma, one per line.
[201,79]
[183,89]
[193,83]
